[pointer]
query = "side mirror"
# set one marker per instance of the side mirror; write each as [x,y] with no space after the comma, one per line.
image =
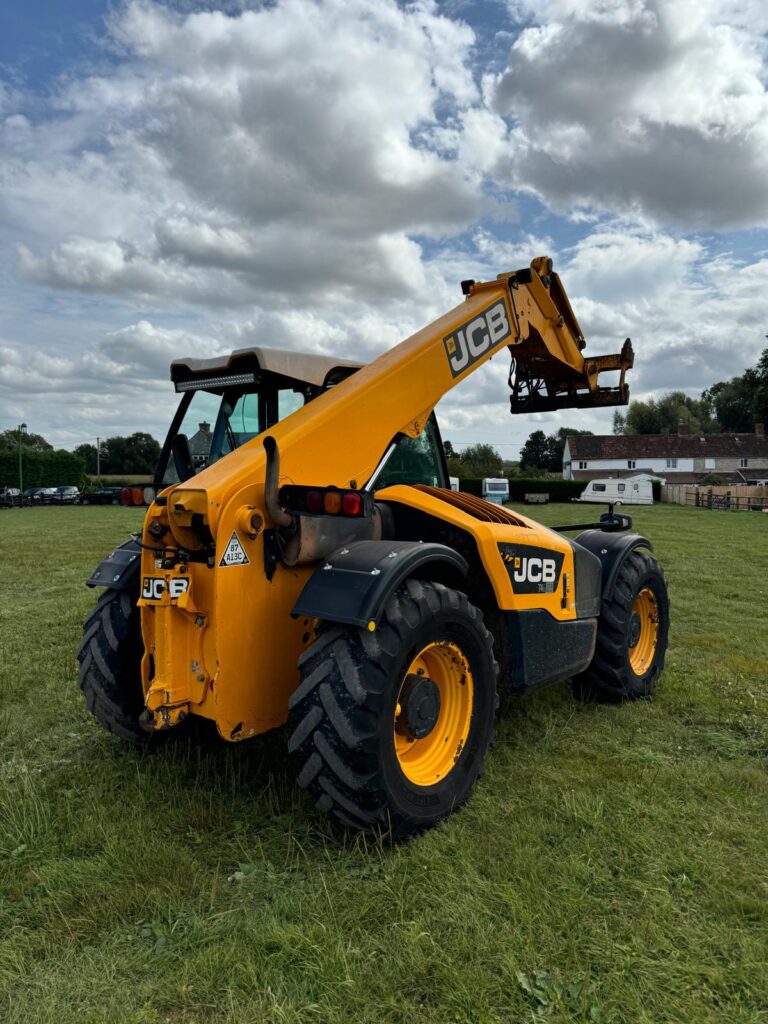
[182,457]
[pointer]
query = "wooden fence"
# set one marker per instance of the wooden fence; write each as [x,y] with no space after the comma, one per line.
[732,499]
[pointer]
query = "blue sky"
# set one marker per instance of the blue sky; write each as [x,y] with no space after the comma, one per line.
[183,179]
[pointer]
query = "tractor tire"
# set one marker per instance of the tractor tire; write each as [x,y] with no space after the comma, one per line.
[110,654]
[390,728]
[632,635]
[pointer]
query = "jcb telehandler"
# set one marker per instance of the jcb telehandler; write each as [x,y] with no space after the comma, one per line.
[304,559]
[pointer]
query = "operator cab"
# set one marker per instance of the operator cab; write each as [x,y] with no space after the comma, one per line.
[232,399]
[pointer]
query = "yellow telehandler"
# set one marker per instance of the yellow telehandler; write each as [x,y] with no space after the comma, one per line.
[304,559]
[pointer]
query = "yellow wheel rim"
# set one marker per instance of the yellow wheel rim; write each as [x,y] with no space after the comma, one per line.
[643,631]
[426,761]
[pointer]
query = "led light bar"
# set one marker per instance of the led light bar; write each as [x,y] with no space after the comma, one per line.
[197,383]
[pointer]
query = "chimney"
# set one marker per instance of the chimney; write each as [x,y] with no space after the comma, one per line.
[683,427]
[760,429]
[205,428]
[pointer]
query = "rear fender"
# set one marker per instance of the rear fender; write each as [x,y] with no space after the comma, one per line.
[119,569]
[612,549]
[354,584]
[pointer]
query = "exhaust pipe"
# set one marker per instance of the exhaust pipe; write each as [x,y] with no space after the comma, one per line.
[277,514]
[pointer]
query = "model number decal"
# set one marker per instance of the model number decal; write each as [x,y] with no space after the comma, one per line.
[532,570]
[476,337]
[153,587]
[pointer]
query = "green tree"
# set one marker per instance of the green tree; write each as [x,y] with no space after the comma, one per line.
[9,441]
[480,460]
[663,415]
[137,453]
[535,452]
[545,451]
[87,452]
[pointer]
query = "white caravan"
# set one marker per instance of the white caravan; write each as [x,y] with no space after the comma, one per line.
[496,489]
[620,492]
[454,482]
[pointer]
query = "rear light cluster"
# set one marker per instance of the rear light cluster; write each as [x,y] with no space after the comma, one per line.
[137,495]
[326,501]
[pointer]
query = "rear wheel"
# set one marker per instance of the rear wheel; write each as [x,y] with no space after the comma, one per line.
[391,727]
[110,654]
[632,635]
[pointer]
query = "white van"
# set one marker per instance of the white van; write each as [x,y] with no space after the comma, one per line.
[496,489]
[620,492]
[454,482]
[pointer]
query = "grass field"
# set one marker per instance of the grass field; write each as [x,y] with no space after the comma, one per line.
[611,867]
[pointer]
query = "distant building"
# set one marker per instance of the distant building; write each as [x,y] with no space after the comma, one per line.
[200,445]
[680,458]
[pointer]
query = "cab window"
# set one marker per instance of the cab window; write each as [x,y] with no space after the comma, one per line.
[415,460]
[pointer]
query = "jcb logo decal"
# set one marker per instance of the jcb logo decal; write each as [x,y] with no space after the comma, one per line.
[473,339]
[153,588]
[532,570]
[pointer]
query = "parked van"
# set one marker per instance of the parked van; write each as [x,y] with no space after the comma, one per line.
[454,482]
[496,489]
[620,492]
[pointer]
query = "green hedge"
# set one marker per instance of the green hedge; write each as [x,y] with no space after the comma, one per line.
[42,469]
[558,490]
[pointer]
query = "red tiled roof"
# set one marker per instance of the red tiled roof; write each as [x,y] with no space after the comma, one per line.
[668,446]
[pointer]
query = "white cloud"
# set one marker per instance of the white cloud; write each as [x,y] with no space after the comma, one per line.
[655,108]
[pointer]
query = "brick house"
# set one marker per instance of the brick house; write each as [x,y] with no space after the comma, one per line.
[680,458]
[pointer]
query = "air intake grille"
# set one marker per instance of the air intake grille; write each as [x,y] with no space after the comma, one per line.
[478,508]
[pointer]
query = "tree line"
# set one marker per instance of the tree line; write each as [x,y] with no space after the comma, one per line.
[732,406]
[132,455]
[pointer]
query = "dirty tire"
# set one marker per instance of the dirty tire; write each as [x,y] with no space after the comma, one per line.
[343,713]
[110,655]
[611,676]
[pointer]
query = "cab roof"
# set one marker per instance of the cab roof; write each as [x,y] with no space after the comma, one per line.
[307,367]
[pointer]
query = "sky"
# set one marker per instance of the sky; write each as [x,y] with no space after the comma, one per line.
[187,178]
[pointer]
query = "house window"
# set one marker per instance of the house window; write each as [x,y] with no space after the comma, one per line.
[631,464]
[582,465]
[709,463]
[744,463]
[671,463]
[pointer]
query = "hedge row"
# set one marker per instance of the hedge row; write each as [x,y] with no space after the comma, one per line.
[558,490]
[42,469]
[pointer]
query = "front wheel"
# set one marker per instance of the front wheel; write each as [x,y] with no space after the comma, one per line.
[391,727]
[632,635]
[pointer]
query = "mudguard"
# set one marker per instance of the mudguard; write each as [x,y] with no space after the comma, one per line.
[353,585]
[611,549]
[119,569]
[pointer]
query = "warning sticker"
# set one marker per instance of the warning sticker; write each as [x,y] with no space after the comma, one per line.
[234,554]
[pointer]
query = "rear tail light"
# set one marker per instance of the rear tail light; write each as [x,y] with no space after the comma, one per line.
[137,495]
[351,504]
[126,496]
[332,503]
[314,502]
[149,495]
[326,501]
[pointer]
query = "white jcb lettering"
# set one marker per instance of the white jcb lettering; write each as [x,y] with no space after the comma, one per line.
[153,588]
[460,358]
[548,571]
[498,325]
[472,340]
[477,326]
[535,570]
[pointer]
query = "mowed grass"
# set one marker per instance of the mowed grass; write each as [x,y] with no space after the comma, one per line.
[610,867]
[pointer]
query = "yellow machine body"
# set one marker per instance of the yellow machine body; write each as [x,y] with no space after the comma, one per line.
[219,638]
